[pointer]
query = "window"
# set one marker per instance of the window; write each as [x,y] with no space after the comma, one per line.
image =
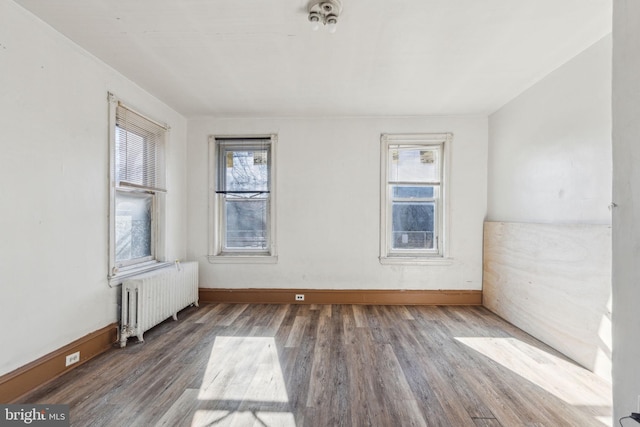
[242,200]
[136,191]
[413,211]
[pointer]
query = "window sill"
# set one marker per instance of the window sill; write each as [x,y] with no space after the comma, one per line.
[242,259]
[406,260]
[124,274]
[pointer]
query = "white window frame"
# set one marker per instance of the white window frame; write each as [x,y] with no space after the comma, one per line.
[217,252]
[120,270]
[440,254]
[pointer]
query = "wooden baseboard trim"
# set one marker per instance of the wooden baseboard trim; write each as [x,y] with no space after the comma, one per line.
[333,296]
[16,384]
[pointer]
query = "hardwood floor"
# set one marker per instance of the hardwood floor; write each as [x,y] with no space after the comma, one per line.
[332,365]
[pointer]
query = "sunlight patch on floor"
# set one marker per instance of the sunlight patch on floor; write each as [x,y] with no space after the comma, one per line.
[209,418]
[551,373]
[244,373]
[244,368]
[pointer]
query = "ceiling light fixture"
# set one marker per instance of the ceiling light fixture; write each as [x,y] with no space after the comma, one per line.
[324,12]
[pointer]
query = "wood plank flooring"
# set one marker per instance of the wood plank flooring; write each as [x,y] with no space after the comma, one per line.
[332,365]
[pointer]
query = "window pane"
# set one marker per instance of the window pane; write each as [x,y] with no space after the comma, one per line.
[129,156]
[247,170]
[133,226]
[413,225]
[246,224]
[414,164]
[412,192]
[137,158]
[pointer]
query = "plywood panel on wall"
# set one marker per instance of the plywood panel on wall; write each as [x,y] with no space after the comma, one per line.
[554,282]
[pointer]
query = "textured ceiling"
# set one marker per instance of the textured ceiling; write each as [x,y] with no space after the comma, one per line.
[388,57]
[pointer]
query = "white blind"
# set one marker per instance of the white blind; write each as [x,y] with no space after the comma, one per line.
[139,151]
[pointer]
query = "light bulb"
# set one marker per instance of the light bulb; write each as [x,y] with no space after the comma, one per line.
[332,24]
[314,18]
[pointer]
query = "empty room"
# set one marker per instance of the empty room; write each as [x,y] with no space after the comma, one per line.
[319,213]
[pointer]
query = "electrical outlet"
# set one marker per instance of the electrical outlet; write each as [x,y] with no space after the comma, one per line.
[73,358]
[299,297]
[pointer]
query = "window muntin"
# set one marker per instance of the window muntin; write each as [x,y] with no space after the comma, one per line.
[243,199]
[136,191]
[412,195]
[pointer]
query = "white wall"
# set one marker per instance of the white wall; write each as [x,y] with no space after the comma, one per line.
[550,148]
[626,218]
[550,162]
[328,213]
[54,188]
